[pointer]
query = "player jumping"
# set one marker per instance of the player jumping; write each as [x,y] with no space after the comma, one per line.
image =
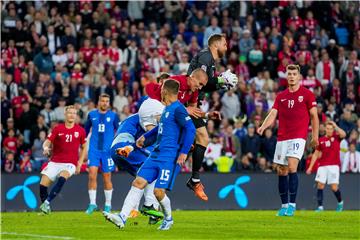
[206,60]
[295,106]
[328,155]
[65,139]
[104,124]
[175,135]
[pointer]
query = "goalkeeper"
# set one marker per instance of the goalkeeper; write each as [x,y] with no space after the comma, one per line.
[205,60]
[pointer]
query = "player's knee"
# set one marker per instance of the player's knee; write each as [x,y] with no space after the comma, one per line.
[320,185]
[282,170]
[139,183]
[159,194]
[334,187]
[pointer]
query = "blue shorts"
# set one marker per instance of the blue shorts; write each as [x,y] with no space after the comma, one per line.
[133,162]
[101,158]
[164,172]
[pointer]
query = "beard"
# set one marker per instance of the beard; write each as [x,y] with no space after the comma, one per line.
[220,53]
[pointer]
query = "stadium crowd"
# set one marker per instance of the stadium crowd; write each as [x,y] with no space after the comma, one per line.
[54,54]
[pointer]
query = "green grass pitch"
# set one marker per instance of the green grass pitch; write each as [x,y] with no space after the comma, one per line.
[188,225]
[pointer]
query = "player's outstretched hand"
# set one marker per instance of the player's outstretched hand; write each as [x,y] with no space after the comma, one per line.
[125,151]
[194,112]
[308,171]
[140,142]
[260,130]
[230,79]
[215,115]
[181,159]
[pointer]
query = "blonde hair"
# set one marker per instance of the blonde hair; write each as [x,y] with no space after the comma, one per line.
[70,107]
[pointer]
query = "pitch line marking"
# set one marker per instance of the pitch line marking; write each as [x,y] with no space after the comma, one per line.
[35,235]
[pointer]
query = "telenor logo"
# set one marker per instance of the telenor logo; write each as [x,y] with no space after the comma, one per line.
[29,196]
[240,195]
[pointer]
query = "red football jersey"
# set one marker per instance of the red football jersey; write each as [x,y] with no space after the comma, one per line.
[185,95]
[293,111]
[330,149]
[66,142]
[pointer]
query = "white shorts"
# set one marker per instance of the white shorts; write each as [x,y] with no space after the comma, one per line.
[53,169]
[289,148]
[328,174]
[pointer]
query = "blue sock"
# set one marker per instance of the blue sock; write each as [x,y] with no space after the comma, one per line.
[283,189]
[320,197]
[293,186]
[56,189]
[338,195]
[43,193]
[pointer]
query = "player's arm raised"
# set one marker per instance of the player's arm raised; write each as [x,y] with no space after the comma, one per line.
[341,132]
[184,120]
[269,120]
[314,126]
[314,157]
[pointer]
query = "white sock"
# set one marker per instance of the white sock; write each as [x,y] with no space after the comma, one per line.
[293,204]
[132,199]
[108,196]
[92,196]
[166,206]
[149,196]
[284,205]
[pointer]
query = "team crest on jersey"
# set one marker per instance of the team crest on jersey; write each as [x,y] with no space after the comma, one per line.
[108,119]
[166,114]
[301,98]
[204,67]
[76,134]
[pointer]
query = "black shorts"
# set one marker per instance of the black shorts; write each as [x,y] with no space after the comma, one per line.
[198,122]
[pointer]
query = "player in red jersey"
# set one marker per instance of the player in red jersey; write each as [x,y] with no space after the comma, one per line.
[295,106]
[65,139]
[328,155]
[188,92]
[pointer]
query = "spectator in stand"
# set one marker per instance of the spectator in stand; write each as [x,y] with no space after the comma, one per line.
[10,141]
[10,165]
[325,71]
[37,151]
[230,105]
[246,43]
[346,123]
[250,147]
[351,162]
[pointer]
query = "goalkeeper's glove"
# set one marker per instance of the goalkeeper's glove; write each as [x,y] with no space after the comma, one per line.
[227,80]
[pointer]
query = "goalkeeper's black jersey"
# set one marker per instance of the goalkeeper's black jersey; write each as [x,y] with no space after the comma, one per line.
[205,61]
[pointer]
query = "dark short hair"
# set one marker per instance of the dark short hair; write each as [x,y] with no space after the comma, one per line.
[172,86]
[293,67]
[215,38]
[162,76]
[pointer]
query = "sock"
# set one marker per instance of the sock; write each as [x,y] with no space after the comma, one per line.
[56,189]
[293,186]
[92,196]
[338,195]
[197,158]
[320,196]
[149,196]
[108,196]
[166,206]
[283,190]
[43,193]
[132,199]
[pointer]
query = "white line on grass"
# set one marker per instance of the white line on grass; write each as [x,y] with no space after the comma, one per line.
[35,235]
